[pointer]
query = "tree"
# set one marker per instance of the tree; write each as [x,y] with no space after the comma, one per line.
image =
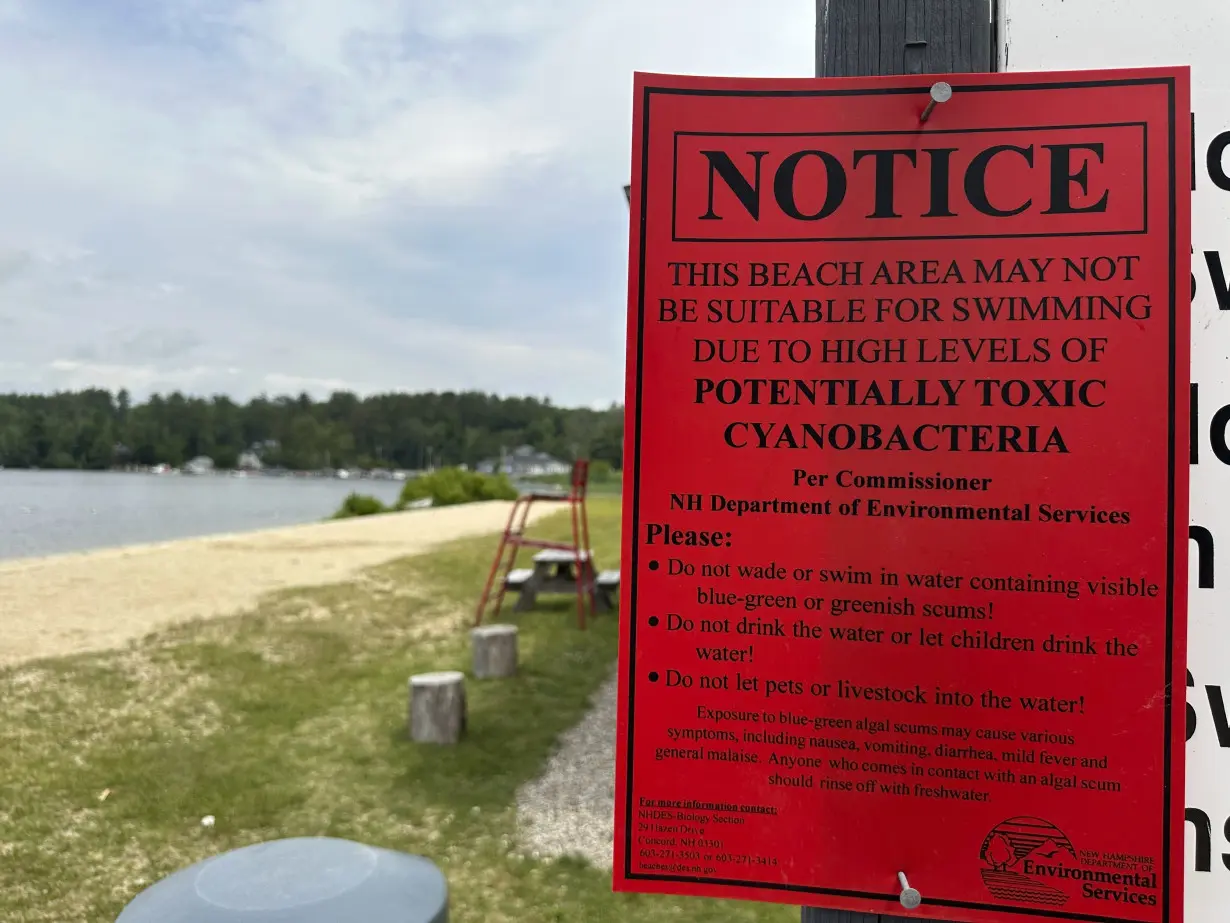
[999,852]
[87,429]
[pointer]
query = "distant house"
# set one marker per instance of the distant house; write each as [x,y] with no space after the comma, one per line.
[202,464]
[261,449]
[248,461]
[524,461]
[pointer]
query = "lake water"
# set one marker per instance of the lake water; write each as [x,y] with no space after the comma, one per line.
[51,512]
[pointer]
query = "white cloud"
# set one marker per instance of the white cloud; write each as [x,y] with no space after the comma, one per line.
[248,195]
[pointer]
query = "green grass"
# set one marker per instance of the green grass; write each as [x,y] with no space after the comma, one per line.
[608,484]
[290,721]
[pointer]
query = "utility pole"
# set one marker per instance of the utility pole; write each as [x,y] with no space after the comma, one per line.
[855,38]
[858,38]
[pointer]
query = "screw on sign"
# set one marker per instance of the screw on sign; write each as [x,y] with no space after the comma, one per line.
[903,623]
[941,92]
[910,898]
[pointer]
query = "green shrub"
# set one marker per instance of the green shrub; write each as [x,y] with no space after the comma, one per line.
[450,486]
[359,505]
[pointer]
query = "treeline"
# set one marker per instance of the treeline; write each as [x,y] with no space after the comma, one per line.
[96,429]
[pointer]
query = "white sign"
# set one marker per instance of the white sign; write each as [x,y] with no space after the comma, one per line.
[1078,34]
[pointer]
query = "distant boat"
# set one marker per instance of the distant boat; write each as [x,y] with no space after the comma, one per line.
[202,464]
[342,474]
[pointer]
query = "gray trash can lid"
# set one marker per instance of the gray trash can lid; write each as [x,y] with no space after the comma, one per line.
[298,880]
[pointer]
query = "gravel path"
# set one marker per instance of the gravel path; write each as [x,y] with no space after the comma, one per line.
[570,809]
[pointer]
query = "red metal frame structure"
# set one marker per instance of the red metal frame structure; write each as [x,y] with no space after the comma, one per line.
[514,538]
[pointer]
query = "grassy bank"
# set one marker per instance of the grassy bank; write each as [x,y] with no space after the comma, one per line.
[290,720]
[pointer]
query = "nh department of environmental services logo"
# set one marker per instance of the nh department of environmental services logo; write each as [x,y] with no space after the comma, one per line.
[1019,854]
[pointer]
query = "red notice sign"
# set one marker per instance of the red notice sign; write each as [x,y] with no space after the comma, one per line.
[905,520]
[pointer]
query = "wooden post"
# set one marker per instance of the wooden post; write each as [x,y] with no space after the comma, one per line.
[855,38]
[437,707]
[859,39]
[495,651]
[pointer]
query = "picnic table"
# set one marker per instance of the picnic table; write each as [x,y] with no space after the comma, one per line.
[555,571]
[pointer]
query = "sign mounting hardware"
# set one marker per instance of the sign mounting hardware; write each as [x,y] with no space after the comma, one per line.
[941,92]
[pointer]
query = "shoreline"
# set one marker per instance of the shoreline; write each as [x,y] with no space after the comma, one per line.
[82,601]
[124,551]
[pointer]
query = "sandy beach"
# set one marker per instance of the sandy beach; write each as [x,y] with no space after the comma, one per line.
[99,600]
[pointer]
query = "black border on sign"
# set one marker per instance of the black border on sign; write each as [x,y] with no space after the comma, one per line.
[1144,216]
[630,749]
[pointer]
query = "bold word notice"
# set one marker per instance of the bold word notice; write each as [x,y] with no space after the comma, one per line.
[905,520]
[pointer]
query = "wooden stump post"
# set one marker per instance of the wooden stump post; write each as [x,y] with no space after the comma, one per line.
[437,707]
[495,651]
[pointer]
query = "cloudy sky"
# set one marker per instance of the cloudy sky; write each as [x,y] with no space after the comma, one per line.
[280,195]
